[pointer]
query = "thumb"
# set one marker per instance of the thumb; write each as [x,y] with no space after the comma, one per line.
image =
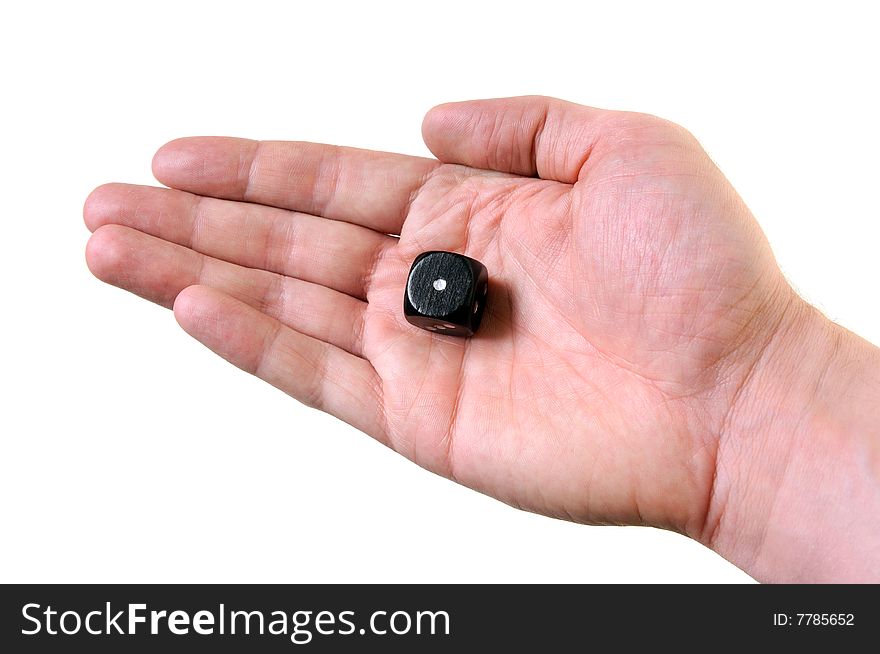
[529,135]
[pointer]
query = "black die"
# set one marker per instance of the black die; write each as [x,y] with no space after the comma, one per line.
[446,293]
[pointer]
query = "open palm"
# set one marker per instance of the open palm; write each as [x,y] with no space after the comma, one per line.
[629,291]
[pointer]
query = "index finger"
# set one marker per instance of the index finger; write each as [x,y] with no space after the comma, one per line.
[364,187]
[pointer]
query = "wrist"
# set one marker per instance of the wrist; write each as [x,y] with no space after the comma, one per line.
[796,493]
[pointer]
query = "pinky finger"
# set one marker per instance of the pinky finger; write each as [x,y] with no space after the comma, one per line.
[316,373]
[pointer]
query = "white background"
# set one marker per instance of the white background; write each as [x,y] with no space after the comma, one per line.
[131,453]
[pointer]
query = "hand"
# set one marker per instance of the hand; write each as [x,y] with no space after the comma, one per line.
[633,301]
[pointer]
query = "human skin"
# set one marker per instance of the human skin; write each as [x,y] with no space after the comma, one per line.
[642,359]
